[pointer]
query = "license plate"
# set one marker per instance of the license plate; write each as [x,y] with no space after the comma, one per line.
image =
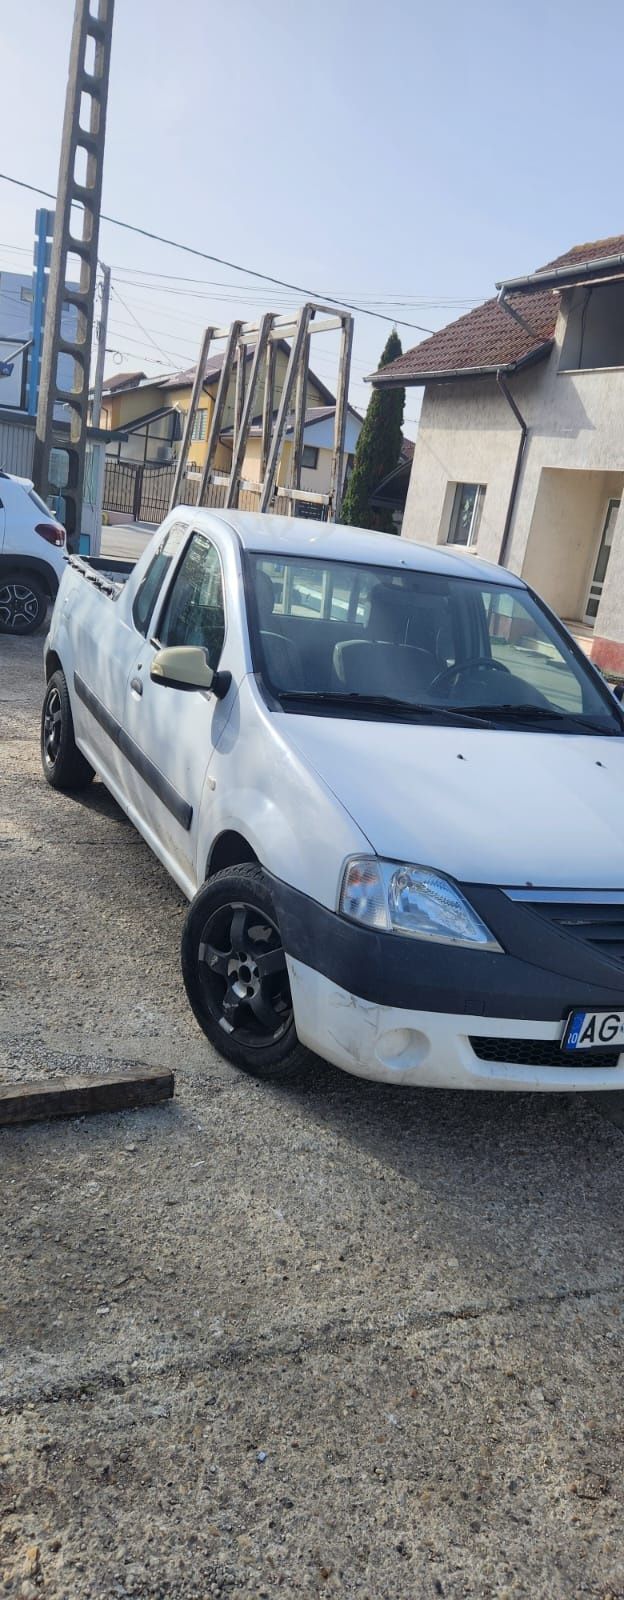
[594,1030]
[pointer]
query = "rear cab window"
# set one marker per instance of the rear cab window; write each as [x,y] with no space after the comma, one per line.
[154,577]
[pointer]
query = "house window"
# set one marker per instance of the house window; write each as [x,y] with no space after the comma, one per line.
[309,457]
[200,425]
[466,513]
[594,335]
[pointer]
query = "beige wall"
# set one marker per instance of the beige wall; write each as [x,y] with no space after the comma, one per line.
[318,481]
[567,523]
[130,404]
[466,434]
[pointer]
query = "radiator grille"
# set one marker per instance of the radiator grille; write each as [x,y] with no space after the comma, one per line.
[541,1053]
[601,926]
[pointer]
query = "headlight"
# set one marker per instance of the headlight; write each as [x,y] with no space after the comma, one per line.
[411,900]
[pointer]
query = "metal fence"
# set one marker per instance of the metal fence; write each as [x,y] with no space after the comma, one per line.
[119,487]
[142,493]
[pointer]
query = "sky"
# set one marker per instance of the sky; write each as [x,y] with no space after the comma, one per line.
[402,155]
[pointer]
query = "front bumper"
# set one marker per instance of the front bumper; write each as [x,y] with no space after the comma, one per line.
[401,1010]
[428,1048]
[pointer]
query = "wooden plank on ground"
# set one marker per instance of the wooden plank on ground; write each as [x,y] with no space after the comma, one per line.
[83,1095]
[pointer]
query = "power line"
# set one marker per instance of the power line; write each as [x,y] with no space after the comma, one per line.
[363,295]
[144,331]
[234,266]
[112,350]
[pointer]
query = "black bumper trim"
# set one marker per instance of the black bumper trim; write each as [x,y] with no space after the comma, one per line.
[162,788]
[535,979]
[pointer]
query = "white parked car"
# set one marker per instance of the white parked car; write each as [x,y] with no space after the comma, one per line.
[32,555]
[387,780]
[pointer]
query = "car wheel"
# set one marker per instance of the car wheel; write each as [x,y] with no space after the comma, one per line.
[23,603]
[235,974]
[63,763]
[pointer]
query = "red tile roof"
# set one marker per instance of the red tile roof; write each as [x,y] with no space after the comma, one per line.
[489,337]
[600,250]
[483,339]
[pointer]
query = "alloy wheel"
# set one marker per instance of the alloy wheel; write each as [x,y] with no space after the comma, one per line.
[52,717]
[243,974]
[19,607]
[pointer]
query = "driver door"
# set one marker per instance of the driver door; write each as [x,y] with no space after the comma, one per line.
[172,733]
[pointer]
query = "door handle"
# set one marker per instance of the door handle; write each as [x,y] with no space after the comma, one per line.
[136,686]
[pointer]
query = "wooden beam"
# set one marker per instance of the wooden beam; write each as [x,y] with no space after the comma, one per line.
[219,409]
[82,1096]
[299,423]
[185,444]
[303,322]
[267,409]
[244,415]
[340,418]
[302,494]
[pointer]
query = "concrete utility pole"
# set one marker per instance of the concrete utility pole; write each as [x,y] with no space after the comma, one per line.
[44,230]
[76,229]
[102,327]
[101,346]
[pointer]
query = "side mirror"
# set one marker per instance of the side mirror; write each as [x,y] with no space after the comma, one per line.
[618,690]
[185,666]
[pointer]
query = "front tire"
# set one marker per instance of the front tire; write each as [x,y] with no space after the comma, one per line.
[63,763]
[23,603]
[235,974]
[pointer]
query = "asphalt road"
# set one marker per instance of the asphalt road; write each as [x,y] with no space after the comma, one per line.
[334,1340]
[127,543]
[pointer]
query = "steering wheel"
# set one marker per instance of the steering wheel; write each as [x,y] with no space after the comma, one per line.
[476,663]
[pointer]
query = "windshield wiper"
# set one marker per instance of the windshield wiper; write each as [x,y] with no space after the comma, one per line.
[383,702]
[531,713]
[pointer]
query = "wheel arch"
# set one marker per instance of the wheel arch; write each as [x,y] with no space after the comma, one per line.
[230,849]
[24,566]
[53,664]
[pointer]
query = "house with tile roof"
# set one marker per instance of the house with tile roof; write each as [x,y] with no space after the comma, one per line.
[520,448]
[145,418]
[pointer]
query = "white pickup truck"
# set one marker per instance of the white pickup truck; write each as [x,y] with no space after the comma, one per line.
[387,780]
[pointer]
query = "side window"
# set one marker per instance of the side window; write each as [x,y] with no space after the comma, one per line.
[194,611]
[151,583]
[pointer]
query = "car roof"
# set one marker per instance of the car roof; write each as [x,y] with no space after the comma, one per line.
[299,536]
[12,477]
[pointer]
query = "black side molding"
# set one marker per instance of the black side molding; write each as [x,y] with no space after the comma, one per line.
[151,775]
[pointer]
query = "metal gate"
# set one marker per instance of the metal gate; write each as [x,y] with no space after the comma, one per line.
[143,493]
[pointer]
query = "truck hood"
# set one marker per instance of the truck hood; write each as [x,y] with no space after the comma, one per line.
[485,806]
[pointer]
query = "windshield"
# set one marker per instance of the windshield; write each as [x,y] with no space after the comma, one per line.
[356,639]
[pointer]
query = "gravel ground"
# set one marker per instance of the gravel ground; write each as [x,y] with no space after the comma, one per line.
[338,1340]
